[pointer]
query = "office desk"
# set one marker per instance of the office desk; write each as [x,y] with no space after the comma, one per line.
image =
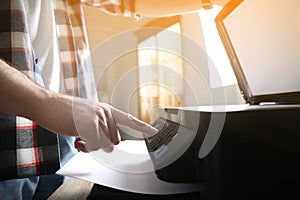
[74,189]
[77,189]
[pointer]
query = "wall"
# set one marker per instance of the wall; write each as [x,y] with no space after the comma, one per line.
[110,39]
[194,48]
[113,43]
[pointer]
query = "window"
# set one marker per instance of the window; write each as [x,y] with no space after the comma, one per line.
[220,64]
[160,73]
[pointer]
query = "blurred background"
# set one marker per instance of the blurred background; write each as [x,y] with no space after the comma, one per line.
[154,77]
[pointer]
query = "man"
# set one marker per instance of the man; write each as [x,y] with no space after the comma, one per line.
[45,75]
[43,69]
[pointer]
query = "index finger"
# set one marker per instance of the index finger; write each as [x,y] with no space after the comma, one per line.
[125,119]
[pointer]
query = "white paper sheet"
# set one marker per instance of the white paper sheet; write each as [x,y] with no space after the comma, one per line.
[127,168]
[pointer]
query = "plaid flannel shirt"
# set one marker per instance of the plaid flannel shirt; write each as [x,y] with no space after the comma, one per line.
[27,149]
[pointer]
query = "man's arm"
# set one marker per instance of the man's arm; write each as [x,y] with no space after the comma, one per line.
[20,96]
[95,123]
[18,92]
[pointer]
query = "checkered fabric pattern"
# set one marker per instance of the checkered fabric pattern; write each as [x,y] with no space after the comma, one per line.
[116,7]
[26,149]
[73,44]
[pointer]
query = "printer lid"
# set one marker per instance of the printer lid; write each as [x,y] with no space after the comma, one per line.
[262,41]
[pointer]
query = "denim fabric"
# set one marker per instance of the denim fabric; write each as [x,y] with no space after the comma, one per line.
[30,188]
[38,187]
[18,189]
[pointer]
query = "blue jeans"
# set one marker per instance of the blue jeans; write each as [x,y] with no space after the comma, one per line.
[38,187]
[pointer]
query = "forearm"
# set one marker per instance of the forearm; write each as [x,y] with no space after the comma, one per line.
[18,92]
[22,97]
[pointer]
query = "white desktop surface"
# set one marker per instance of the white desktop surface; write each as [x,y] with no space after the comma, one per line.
[115,170]
[236,108]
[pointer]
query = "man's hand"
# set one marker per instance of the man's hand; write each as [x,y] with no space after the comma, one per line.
[97,129]
[94,123]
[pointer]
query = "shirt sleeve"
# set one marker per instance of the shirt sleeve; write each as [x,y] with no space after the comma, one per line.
[115,7]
